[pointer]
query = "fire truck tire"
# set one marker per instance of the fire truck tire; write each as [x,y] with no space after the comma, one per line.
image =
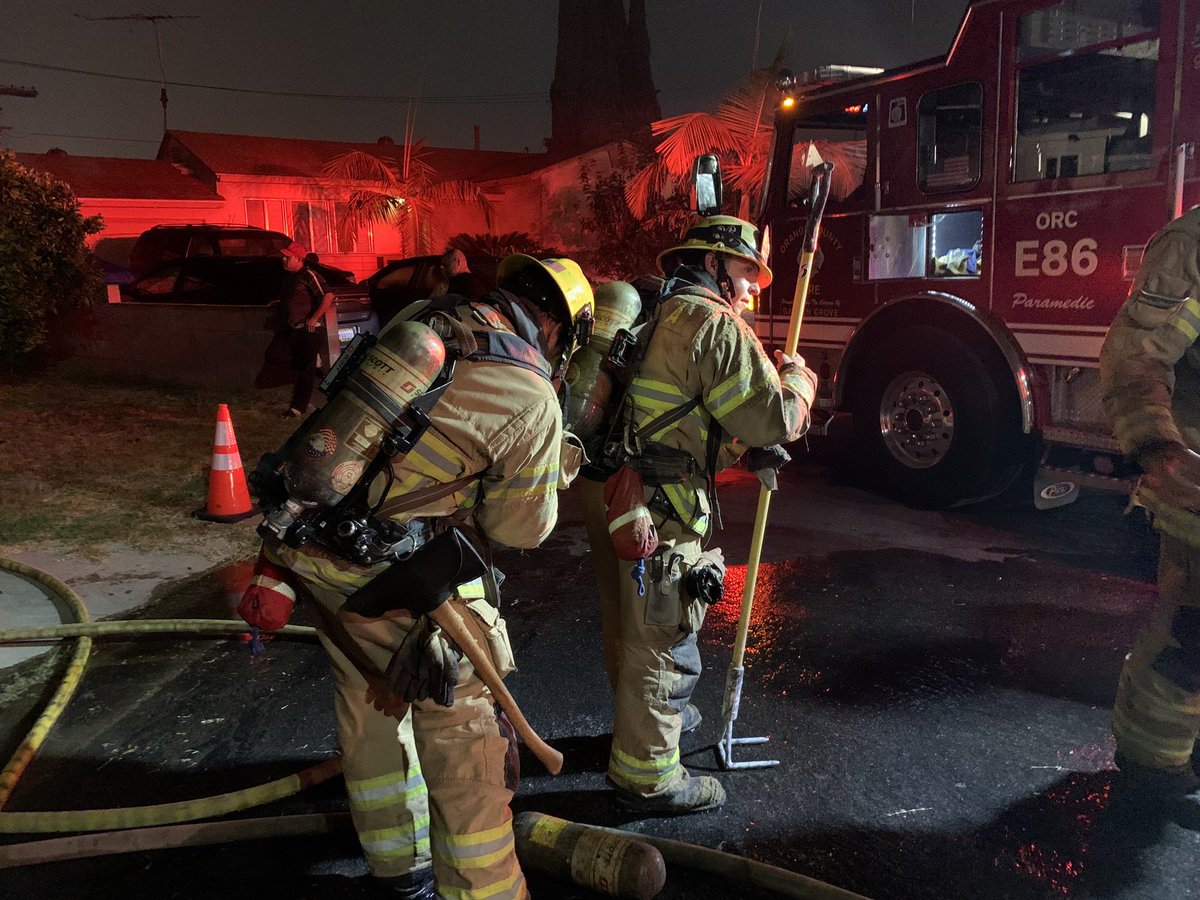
[935,428]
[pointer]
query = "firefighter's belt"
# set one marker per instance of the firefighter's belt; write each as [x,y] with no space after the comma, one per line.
[423,582]
[660,464]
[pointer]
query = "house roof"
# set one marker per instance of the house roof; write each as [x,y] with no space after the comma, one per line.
[241,154]
[95,177]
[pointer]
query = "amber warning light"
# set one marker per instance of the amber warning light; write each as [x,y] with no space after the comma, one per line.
[789,102]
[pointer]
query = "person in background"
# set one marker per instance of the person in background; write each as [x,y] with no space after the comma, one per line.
[1150,376]
[303,300]
[457,277]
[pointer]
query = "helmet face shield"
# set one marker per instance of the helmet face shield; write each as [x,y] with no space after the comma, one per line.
[723,234]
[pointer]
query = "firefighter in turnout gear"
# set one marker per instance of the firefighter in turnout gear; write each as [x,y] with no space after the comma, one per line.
[1150,370]
[430,796]
[702,392]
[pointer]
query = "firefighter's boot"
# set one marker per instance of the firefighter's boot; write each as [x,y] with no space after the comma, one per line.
[1177,781]
[691,719]
[695,794]
[416,885]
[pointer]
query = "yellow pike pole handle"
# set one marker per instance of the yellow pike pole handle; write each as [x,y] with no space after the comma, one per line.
[733,680]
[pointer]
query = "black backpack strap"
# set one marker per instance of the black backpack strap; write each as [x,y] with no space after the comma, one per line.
[670,417]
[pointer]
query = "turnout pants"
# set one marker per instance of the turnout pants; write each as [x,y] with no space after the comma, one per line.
[1157,713]
[433,789]
[650,653]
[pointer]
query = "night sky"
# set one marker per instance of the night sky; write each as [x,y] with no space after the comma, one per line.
[438,49]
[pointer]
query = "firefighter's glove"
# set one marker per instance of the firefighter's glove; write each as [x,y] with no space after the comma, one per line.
[425,667]
[772,457]
[794,374]
[1172,475]
[705,580]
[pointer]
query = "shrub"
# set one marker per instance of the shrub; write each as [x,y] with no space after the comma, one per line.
[45,267]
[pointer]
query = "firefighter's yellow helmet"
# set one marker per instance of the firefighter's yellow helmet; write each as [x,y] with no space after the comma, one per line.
[574,294]
[721,234]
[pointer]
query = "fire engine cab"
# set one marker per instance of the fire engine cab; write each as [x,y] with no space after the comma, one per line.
[987,214]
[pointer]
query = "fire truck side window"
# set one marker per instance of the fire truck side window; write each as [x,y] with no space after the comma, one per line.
[1085,89]
[926,245]
[949,138]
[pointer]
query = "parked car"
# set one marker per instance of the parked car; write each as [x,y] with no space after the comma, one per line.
[165,244]
[249,281]
[405,281]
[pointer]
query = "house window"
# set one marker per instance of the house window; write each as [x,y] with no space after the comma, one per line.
[266,214]
[949,138]
[1085,89]
[256,213]
[347,241]
[316,224]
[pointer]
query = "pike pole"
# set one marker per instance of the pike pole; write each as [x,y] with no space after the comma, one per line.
[733,679]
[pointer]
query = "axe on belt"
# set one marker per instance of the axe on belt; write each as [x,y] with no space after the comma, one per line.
[423,584]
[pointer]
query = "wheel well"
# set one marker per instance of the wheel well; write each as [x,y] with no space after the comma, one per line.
[994,348]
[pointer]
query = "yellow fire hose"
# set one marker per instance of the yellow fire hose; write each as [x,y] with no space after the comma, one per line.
[159,814]
[170,825]
[66,689]
[733,680]
[165,837]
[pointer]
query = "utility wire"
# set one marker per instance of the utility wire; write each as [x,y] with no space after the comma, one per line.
[89,137]
[530,97]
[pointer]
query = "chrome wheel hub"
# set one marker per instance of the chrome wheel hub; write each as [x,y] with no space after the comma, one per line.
[916,420]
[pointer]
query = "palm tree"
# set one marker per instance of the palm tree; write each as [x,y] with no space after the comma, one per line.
[403,192]
[740,133]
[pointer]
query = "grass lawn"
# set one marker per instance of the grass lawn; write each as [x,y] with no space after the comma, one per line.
[89,460]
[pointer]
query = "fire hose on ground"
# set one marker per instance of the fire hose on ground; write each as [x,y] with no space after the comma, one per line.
[173,825]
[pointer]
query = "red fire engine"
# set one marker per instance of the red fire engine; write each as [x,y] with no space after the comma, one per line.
[988,215]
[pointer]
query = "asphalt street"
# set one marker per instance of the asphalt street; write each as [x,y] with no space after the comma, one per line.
[936,686]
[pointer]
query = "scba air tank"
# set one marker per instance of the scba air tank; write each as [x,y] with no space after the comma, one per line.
[327,462]
[616,865]
[617,306]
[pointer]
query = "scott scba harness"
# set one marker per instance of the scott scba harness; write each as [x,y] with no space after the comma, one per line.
[658,463]
[382,392]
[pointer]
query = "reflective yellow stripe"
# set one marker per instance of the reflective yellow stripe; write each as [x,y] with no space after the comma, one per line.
[385,790]
[436,458]
[728,395]
[657,392]
[532,481]
[1150,746]
[653,398]
[482,862]
[403,842]
[1178,523]
[472,590]
[650,772]
[476,837]
[686,504]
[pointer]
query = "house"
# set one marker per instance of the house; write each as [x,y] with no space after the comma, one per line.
[279,183]
[131,195]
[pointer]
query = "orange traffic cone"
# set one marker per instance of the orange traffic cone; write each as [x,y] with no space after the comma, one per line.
[228,496]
